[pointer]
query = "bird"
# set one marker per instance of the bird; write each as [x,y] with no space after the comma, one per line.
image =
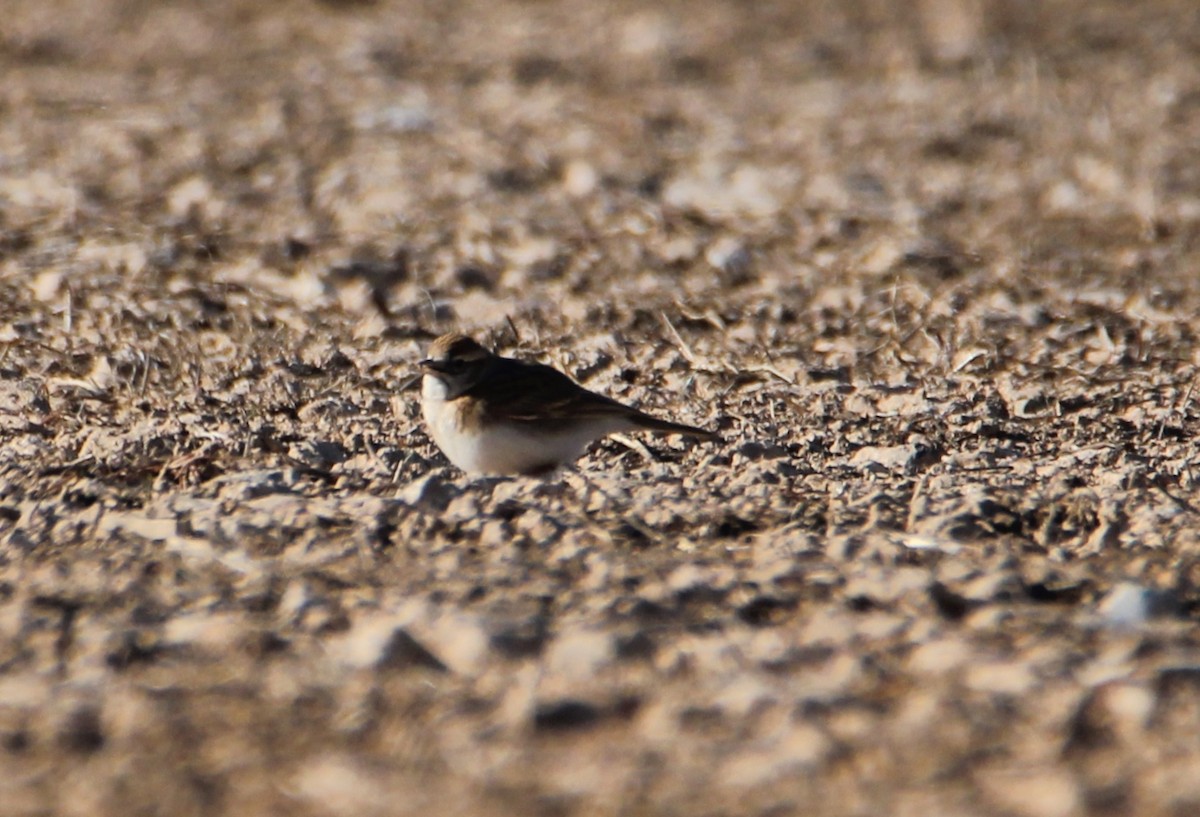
[502,416]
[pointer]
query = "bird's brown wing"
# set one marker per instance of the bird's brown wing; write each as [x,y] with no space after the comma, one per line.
[519,392]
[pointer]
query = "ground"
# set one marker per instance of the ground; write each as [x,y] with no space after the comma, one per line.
[930,269]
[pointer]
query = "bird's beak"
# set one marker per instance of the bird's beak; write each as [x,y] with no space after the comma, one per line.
[432,365]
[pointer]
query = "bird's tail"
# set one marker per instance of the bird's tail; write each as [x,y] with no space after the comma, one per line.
[667,427]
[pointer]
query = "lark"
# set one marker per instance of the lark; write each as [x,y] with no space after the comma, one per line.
[497,415]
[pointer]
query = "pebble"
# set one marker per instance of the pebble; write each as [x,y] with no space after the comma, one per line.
[1131,605]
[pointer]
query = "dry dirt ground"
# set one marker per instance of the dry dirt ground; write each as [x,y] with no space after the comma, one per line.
[930,268]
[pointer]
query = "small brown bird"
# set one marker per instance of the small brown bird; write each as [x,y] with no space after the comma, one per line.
[496,415]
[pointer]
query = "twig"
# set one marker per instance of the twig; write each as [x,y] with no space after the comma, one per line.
[913,507]
[771,370]
[433,313]
[1187,398]
[635,445]
[679,341]
[69,311]
[407,384]
[145,361]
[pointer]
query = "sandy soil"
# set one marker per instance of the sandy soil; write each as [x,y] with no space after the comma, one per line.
[931,269]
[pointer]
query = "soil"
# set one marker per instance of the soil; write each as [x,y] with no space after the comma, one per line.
[929,268]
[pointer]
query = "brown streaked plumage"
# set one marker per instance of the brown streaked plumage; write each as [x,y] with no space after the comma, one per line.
[494,414]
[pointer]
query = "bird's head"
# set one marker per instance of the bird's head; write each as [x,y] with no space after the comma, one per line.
[457,361]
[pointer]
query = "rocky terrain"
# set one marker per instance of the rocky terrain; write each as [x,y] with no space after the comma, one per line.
[930,269]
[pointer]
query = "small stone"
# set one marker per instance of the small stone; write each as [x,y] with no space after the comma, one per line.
[1001,678]
[340,785]
[1031,792]
[882,457]
[494,534]
[429,493]
[579,178]
[247,485]
[579,653]
[462,642]
[472,276]
[754,450]
[1131,605]
[953,30]
[154,530]
[565,715]
[462,508]
[402,651]
[746,192]
[941,656]
[1112,712]
[729,255]
[523,639]
[82,732]
[323,453]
